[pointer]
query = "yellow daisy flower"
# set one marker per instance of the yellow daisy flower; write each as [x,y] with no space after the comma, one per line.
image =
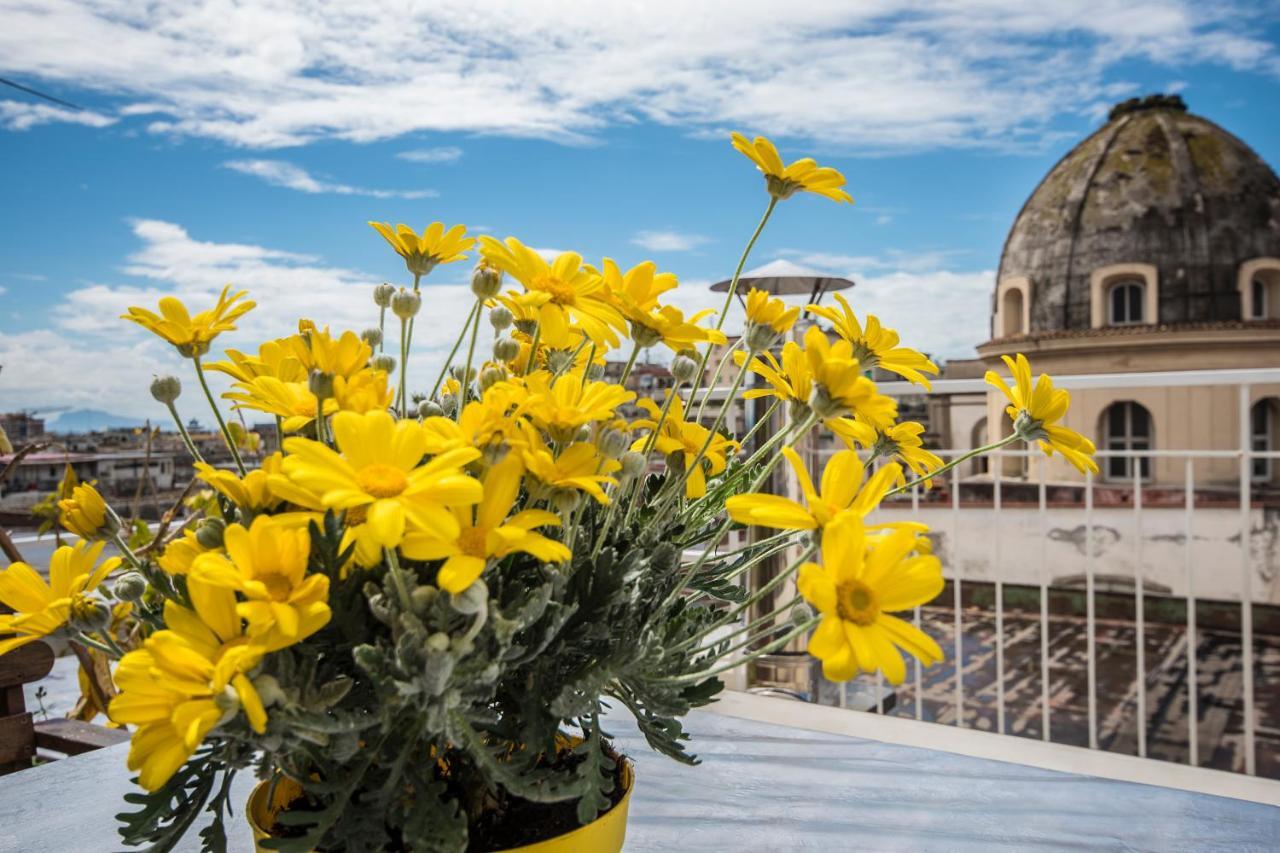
[860,582]
[667,325]
[903,441]
[470,539]
[874,345]
[293,402]
[181,553]
[840,385]
[843,492]
[424,253]
[191,335]
[785,181]
[685,439]
[377,470]
[251,493]
[185,681]
[576,293]
[276,358]
[561,405]
[1036,411]
[267,564]
[638,288]
[765,310]
[789,380]
[85,513]
[579,467]
[40,608]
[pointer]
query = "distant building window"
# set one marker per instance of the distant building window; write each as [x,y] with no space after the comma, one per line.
[1012,312]
[1259,299]
[1127,428]
[1125,301]
[1261,432]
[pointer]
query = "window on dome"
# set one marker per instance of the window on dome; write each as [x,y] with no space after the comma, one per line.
[1012,312]
[1126,428]
[1125,300]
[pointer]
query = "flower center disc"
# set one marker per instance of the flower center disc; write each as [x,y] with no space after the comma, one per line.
[278,586]
[857,603]
[473,541]
[382,481]
[561,293]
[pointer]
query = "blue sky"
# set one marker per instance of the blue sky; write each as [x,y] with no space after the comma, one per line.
[247,145]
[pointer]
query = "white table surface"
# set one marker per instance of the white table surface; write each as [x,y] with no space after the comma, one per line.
[764,787]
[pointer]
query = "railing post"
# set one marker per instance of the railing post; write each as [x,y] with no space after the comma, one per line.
[1090,623]
[1044,608]
[956,595]
[997,466]
[1139,609]
[1246,581]
[1193,691]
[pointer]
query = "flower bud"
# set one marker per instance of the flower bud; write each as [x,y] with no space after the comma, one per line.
[684,369]
[382,295]
[760,336]
[371,336]
[88,615]
[448,405]
[429,409]
[130,586]
[506,348]
[500,317]
[486,281]
[614,443]
[471,600]
[422,598]
[385,363]
[634,464]
[166,389]
[559,360]
[527,326]
[565,500]
[406,303]
[209,533]
[439,641]
[491,376]
[321,384]
[461,373]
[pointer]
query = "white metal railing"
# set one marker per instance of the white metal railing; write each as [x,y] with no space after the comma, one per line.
[1244,453]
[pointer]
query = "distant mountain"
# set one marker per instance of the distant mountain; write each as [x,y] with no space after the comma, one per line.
[88,420]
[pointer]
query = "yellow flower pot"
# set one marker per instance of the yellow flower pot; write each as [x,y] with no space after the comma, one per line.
[605,834]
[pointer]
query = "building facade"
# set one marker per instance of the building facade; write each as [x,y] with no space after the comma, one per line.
[1153,245]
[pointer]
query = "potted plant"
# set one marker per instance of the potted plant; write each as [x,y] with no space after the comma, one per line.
[409,619]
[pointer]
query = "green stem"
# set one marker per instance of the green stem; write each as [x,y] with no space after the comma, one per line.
[465,382]
[448,361]
[398,580]
[417,277]
[733,664]
[995,445]
[742,261]
[321,427]
[84,639]
[404,374]
[653,439]
[715,377]
[382,327]
[711,435]
[631,362]
[182,431]
[533,349]
[226,433]
[758,424]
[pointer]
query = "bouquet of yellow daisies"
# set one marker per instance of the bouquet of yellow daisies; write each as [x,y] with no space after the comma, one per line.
[408,620]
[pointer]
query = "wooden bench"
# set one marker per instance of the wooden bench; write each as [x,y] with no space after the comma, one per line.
[22,738]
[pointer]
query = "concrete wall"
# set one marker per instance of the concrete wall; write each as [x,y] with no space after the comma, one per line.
[1009,547]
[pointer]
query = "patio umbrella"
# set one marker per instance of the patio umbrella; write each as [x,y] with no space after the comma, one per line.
[785,278]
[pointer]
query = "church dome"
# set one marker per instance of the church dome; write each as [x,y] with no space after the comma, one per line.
[1158,194]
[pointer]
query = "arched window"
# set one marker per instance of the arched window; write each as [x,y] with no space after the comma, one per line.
[1012,312]
[1124,303]
[1260,294]
[1262,430]
[977,439]
[1126,427]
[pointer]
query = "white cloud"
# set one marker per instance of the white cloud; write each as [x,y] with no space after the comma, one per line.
[443,154]
[20,115]
[281,173]
[87,356]
[668,241]
[861,77]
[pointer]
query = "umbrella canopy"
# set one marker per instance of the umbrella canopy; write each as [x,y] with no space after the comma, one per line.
[784,278]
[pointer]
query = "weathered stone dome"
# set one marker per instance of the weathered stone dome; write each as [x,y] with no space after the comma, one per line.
[1154,185]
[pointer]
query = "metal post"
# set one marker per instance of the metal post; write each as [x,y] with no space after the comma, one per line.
[1193,699]
[1246,581]
[1139,609]
[1044,609]
[1090,625]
